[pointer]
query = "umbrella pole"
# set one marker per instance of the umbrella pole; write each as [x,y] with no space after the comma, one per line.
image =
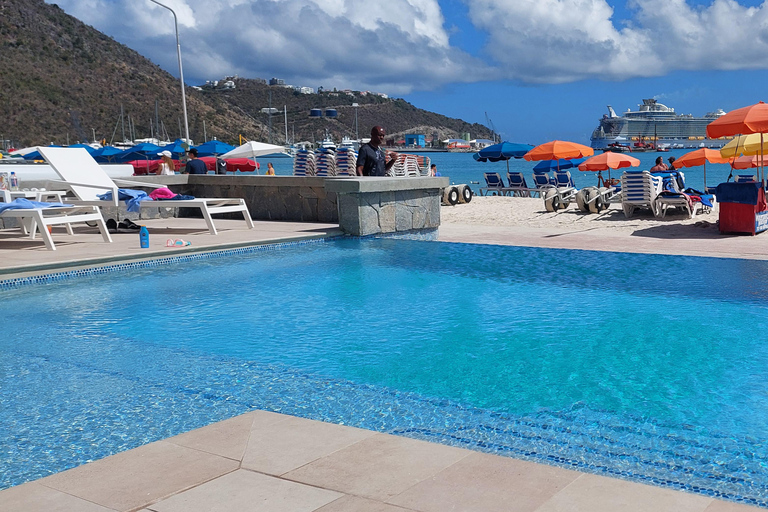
[705,176]
[762,168]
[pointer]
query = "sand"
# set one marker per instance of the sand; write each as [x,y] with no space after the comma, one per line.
[524,221]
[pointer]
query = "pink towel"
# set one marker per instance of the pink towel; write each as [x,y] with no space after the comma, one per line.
[162,193]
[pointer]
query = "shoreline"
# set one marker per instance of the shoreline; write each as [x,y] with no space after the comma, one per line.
[522,221]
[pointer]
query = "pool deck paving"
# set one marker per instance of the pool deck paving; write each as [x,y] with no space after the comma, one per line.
[264,461]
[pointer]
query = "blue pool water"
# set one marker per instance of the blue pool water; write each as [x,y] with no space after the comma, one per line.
[646,367]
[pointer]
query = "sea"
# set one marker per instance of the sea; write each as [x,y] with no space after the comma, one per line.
[462,168]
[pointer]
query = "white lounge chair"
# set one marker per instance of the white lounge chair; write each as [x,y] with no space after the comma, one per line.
[639,189]
[33,220]
[87,180]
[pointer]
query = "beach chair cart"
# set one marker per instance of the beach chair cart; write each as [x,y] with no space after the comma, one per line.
[743,208]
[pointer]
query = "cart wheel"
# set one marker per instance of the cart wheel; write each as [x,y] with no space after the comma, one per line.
[466,194]
[582,199]
[551,200]
[453,196]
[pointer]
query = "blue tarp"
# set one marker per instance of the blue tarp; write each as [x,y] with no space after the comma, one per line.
[740,193]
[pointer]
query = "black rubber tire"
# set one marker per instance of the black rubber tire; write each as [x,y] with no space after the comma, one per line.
[466,194]
[453,196]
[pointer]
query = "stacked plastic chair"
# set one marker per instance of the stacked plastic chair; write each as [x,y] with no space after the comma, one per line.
[405,165]
[346,161]
[325,164]
[304,163]
[424,163]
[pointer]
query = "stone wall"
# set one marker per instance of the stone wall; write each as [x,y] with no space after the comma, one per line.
[287,198]
[369,206]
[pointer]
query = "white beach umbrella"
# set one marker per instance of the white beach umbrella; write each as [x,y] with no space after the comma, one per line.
[252,150]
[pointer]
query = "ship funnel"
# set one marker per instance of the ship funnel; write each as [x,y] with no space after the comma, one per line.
[611,112]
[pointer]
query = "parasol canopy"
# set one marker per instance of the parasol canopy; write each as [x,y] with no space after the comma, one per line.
[502,151]
[559,149]
[701,157]
[252,149]
[744,145]
[751,119]
[608,160]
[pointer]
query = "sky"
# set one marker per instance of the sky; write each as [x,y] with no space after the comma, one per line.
[537,70]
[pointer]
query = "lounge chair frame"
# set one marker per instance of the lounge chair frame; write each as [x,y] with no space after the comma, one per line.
[87,180]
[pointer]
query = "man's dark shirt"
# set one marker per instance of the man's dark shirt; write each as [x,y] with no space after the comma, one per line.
[196,166]
[372,159]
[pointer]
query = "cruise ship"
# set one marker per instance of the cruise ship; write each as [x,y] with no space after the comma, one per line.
[657,124]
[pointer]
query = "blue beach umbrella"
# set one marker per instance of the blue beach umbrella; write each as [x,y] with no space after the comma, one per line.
[90,149]
[177,149]
[145,150]
[35,155]
[107,154]
[550,165]
[213,148]
[502,151]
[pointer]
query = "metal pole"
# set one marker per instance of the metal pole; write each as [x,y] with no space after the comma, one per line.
[357,135]
[181,72]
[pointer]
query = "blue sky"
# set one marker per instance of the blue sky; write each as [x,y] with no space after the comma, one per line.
[540,69]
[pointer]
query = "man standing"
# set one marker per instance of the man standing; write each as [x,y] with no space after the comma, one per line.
[194,164]
[371,160]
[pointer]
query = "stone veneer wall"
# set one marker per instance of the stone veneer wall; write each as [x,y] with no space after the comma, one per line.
[287,198]
[369,206]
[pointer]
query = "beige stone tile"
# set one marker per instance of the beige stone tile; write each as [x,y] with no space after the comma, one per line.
[349,503]
[296,442]
[378,467]
[227,438]
[729,506]
[246,491]
[592,493]
[33,497]
[489,483]
[140,476]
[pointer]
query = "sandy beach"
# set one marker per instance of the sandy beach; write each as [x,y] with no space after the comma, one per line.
[525,221]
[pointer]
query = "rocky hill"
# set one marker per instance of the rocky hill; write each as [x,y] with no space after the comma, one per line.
[63,82]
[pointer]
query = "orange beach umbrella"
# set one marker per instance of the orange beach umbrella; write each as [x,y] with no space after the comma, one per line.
[748,162]
[745,120]
[557,149]
[751,119]
[700,157]
[608,160]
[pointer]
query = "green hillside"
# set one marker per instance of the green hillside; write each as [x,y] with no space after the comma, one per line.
[64,82]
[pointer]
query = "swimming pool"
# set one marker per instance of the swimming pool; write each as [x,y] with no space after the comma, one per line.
[646,367]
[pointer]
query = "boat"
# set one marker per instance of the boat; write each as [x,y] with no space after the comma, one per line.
[327,143]
[654,121]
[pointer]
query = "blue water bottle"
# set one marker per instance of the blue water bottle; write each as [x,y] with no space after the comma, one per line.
[144,237]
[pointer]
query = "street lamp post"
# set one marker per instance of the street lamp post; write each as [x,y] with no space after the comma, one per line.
[181,73]
[357,135]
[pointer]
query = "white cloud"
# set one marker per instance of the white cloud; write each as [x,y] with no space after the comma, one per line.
[553,41]
[392,46]
[401,45]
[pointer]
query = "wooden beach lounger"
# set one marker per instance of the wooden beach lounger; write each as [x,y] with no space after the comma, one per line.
[87,180]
